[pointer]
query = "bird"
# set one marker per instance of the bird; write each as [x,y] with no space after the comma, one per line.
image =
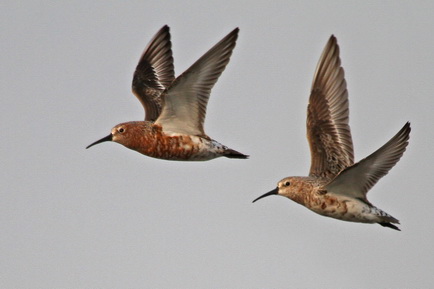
[336,187]
[175,108]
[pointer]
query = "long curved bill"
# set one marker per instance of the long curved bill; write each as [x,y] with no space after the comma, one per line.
[107,138]
[272,192]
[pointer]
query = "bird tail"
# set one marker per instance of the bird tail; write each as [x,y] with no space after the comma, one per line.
[384,218]
[387,220]
[390,225]
[233,154]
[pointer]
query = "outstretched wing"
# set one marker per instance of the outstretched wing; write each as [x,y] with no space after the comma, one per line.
[186,99]
[357,180]
[154,73]
[328,131]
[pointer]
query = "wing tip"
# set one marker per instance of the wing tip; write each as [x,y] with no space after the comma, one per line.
[404,132]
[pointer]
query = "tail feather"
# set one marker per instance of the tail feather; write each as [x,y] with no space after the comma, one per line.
[385,219]
[390,225]
[233,154]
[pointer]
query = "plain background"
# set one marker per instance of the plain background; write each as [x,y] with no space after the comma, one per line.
[109,217]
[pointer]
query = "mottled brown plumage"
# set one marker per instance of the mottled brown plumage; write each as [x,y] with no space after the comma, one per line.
[336,187]
[175,107]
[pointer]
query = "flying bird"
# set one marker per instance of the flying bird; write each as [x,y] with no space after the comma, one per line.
[336,186]
[175,108]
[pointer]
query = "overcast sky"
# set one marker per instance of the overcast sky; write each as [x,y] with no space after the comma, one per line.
[109,217]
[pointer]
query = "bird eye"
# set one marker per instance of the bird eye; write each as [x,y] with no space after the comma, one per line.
[287,184]
[121,130]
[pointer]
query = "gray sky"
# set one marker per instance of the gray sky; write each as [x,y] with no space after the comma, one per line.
[109,217]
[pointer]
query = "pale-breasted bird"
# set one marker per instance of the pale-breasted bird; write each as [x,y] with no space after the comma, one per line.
[336,186]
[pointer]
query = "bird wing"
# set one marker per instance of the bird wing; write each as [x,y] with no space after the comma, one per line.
[355,181]
[154,73]
[186,99]
[328,132]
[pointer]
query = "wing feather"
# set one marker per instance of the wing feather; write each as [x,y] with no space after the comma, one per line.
[328,132]
[355,181]
[185,101]
[154,73]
